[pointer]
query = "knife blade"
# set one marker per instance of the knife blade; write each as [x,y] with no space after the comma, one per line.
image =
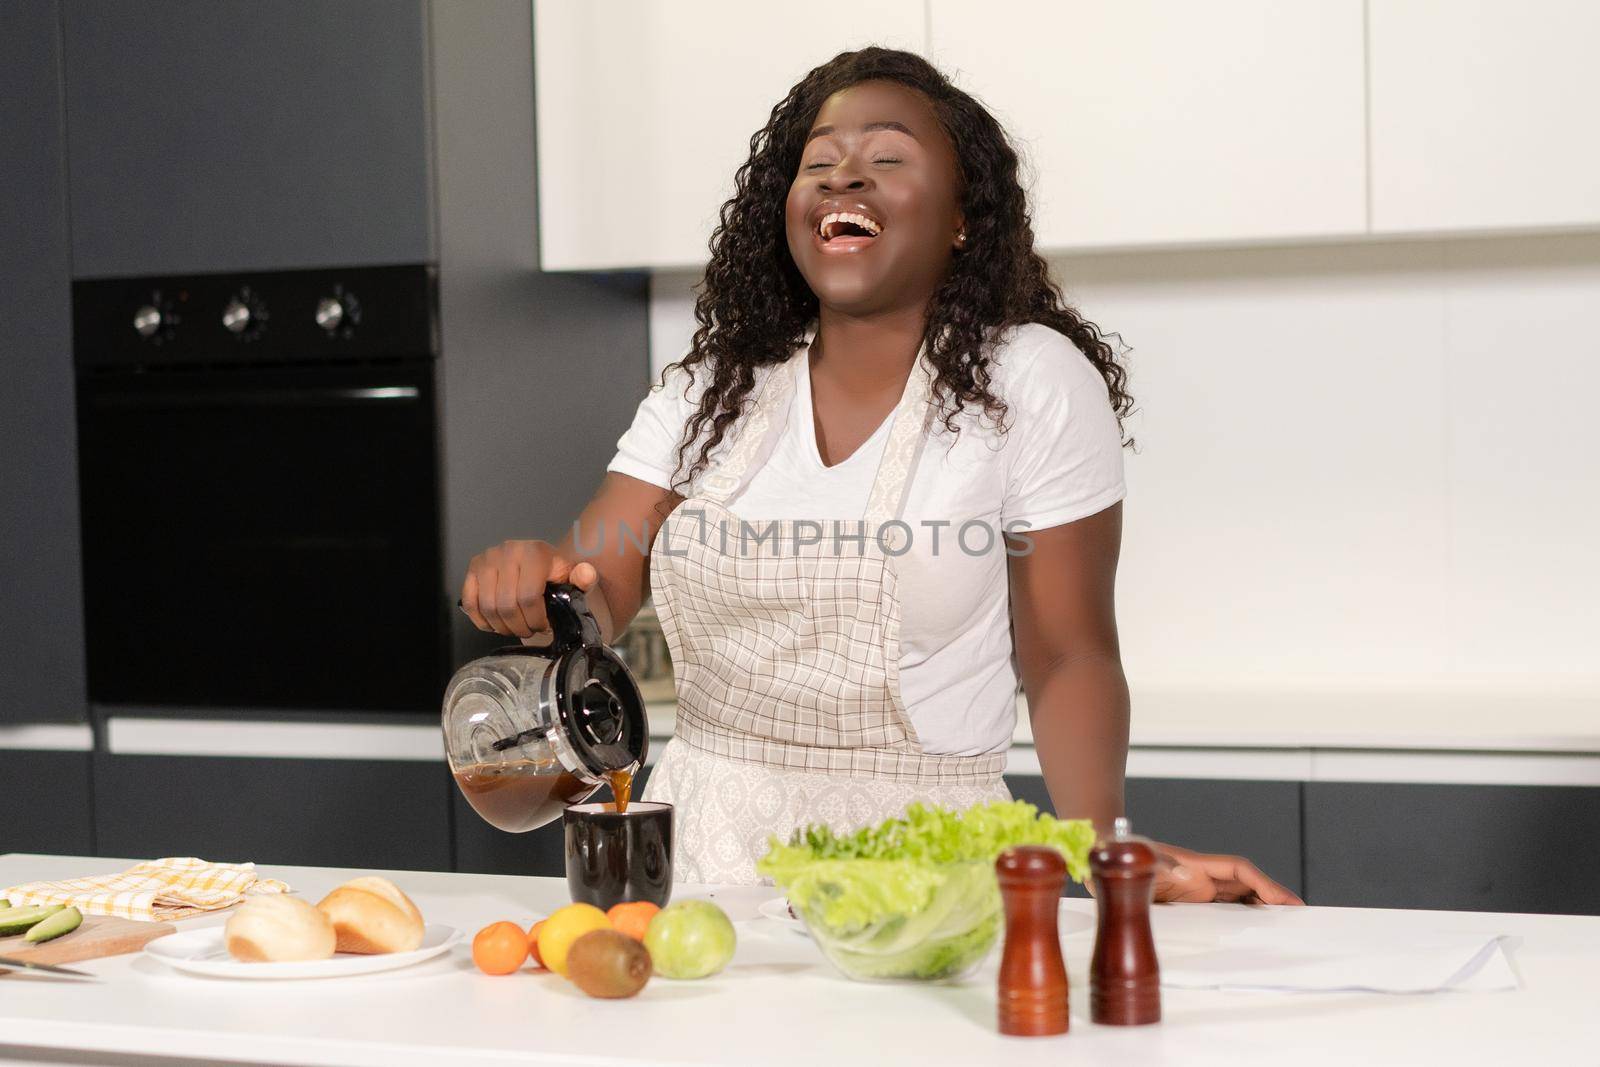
[7,961]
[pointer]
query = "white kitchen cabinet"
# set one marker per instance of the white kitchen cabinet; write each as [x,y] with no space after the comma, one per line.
[1478,115]
[645,111]
[1153,123]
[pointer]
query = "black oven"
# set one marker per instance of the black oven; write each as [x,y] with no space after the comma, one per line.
[260,490]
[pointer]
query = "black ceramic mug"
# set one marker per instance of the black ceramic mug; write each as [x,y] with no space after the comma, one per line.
[612,858]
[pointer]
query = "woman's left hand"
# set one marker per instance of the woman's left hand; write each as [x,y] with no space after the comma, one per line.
[1200,877]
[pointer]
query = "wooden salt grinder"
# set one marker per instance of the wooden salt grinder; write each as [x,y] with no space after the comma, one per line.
[1033,979]
[1124,977]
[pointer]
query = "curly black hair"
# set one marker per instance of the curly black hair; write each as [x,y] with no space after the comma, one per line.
[753,306]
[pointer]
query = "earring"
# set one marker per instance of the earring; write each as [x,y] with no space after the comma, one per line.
[961,239]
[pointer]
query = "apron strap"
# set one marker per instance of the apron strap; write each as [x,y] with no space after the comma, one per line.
[912,421]
[765,422]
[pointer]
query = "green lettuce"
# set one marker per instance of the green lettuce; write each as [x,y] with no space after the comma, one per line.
[933,835]
[916,896]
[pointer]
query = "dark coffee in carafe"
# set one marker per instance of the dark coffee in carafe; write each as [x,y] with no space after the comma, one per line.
[519,796]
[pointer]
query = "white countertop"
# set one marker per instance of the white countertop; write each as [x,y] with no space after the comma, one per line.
[780,1003]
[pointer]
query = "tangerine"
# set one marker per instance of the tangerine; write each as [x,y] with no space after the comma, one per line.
[499,948]
[533,943]
[632,917]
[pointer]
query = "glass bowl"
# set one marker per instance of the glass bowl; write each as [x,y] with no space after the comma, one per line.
[895,920]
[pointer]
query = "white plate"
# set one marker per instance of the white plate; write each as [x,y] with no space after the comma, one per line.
[777,909]
[203,952]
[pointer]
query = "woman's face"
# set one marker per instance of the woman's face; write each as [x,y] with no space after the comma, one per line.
[873,212]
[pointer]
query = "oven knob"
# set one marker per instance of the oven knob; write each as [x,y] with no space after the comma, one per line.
[236,316]
[330,313]
[147,320]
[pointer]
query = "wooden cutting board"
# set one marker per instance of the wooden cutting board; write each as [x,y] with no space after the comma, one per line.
[96,937]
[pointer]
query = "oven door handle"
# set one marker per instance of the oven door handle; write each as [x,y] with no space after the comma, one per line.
[271,397]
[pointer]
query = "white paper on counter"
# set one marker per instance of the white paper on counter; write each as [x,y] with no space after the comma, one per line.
[1309,962]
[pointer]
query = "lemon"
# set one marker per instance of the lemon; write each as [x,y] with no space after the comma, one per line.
[563,927]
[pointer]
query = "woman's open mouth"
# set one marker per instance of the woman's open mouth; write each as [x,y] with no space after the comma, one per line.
[846,231]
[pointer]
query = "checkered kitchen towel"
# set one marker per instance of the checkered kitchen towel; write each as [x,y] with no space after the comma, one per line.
[164,890]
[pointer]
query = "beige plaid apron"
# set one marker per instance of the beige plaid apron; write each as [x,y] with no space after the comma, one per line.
[785,643]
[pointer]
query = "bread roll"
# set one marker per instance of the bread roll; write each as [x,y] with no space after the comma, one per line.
[371,915]
[272,929]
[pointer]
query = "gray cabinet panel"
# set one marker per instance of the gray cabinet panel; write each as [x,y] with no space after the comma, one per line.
[1258,820]
[1453,847]
[482,849]
[333,813]
[47,802]
[41,595]
[210,135]
[541,374]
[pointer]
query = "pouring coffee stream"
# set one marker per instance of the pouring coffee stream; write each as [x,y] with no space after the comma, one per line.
[530,730]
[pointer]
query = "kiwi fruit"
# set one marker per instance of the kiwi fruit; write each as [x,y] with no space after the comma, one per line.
[609,964]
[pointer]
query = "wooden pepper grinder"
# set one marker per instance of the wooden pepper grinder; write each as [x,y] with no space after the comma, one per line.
[1124,977]
[1033,979]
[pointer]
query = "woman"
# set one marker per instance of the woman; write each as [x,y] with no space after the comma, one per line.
[884,482]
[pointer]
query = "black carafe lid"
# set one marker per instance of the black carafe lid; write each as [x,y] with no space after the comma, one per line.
[595,707]
[601,711]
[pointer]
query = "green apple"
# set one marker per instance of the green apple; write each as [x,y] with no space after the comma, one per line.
[690,939]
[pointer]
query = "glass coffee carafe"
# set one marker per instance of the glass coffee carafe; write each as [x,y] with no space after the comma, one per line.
[529,730]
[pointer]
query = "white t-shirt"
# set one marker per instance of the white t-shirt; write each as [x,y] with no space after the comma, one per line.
[1059,459]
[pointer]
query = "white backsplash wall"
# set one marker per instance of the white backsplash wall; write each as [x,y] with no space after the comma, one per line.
[1372,466]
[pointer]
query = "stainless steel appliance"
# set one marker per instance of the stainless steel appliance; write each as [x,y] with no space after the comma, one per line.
[259,472]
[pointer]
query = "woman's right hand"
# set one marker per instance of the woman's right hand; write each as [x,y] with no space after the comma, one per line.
[1183,874]
[503,592]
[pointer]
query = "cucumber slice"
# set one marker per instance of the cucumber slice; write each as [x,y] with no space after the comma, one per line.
[19,919]
[62,922]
